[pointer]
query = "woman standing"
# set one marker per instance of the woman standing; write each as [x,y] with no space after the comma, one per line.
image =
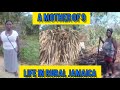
[110,51]
[10,41]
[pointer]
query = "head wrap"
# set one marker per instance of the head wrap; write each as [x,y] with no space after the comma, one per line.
[110,29]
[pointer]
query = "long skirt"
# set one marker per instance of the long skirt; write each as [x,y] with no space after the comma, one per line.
[10,60]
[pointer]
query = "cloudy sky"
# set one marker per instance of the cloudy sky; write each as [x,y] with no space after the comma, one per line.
[115,13]
[27,13]
[111,18]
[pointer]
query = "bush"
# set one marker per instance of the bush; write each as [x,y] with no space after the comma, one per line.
[30,53]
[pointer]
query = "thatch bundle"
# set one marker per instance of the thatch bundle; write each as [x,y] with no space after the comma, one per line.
[59,46]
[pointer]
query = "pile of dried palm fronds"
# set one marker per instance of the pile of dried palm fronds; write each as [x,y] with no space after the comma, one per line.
[59,46]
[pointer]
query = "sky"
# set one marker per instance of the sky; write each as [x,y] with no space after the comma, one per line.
[116,13]
[110,18]
[28,13]
[112,13]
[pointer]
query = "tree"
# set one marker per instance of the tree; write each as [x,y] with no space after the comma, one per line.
[14,16]
[26,23]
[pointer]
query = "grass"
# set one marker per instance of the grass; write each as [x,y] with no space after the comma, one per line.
[1,51]
[30,53]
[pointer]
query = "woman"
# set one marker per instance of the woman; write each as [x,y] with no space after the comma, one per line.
[110,51]
[10,41]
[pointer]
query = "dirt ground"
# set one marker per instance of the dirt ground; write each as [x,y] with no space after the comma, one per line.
[4,74]
[91,57]
[88,58]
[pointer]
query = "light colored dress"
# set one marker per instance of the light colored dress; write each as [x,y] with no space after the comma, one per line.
[108,48]
[10,55]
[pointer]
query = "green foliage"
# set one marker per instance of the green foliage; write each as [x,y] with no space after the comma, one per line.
[94,33]
[30,53]
[26,24]
[22,19]
[14,16]
[29,33]
[1,51]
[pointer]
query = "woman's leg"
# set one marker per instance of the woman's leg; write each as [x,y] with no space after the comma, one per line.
[6,70]
[16,73]
[10,61]
[6,60]
[112,69]
[107,69]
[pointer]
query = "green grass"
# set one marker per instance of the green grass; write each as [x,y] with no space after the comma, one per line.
[1,51]
[30,53]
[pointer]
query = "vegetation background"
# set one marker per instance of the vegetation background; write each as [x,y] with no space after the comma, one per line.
[29,35]
[100,21]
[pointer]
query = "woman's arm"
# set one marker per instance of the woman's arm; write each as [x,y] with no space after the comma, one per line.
[101,40]
[115,46]
[0,41]
[18,44]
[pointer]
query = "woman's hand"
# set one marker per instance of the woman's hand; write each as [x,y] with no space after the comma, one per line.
[114,58]
[101,39]
[18,51]
[18,48]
